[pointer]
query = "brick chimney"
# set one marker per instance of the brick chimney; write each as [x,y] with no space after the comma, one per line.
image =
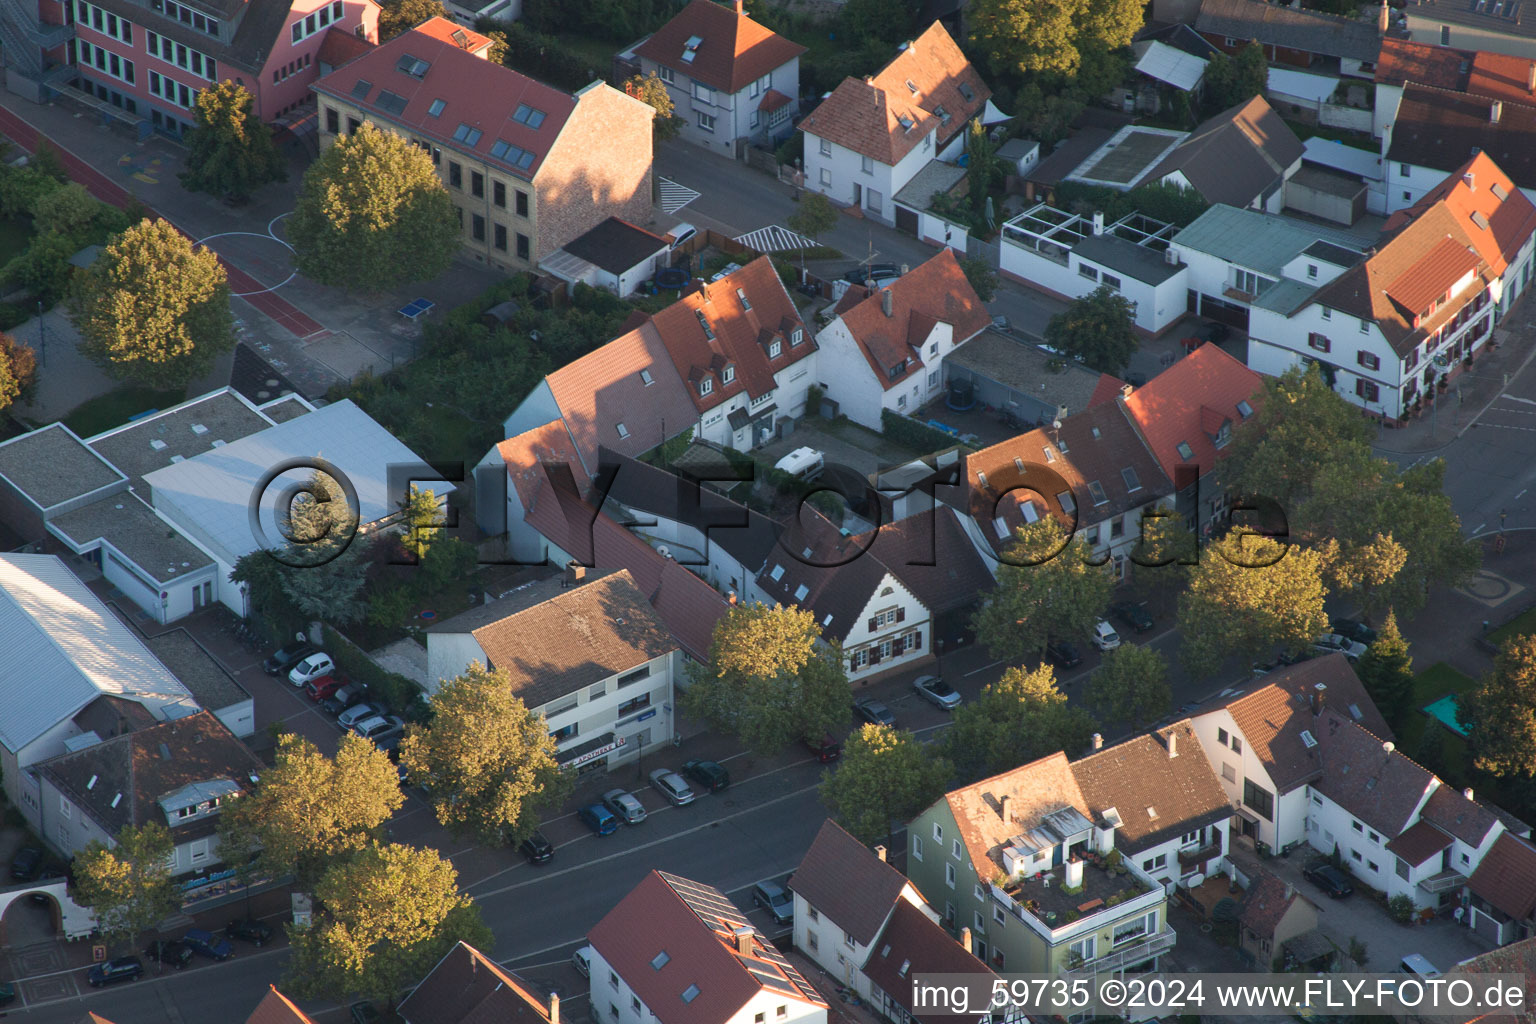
[1098,741]
[575,574]
[885,301]
[1319,698]
[1384,18]
[880,852]
[744,941]
[741,7]
[1173,745]
[554,1008]
[1002,807]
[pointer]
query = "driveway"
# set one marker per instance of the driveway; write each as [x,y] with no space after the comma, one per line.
[855,448]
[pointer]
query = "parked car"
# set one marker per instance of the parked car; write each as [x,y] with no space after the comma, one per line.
[1329,879]
[169,953]
[25,864]
[7,993]
[826,749]
[257,933]
[1288,658]
[208,944]
[1210,331]
[536,848]
[1132,614]
[709,774]
[313,667]
[881,273]
[319,689]
[285,658]
[345,697]
[1332,643]
[360,711]
[672,786]
[624,803]
[1063,654]
[679,235]
[1417,964]
[1359,632]
[873,712]
[599,819]
[123,968]
[379,728]
[936,692]
[776,900]
[582,961]
[1104,636]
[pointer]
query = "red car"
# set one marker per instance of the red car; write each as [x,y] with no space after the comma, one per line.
[826,749]
[319,689]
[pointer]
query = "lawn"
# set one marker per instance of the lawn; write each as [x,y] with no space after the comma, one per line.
[15,233]
[113,409]
[1520,625]
[1430,685]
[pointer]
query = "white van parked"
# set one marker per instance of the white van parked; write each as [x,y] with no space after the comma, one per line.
[805,463]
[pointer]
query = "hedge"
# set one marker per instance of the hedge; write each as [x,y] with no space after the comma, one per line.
[400,693]
[920,437]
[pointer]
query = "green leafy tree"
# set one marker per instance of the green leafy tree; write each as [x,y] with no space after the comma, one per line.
[403,15]
[1248,594]
[153,310]
[229,149]
[318,511]
[128,886]
[42,268]
[1098,328]
[885,775]
[652,90]
[489,762]
[389,915]
[18,372]
[1018,719]
[1165,550]
[770,679]
[49,161]
[1047,589]
[1131,686]
[1230,80]
[1042,36]
[1500,713]
[984,171]
[372,214]
[424,518]
[1386,670]
[310,810]
[449,560]
[318,586]
[982,278]
[889,21]
[814,215]
[70,211]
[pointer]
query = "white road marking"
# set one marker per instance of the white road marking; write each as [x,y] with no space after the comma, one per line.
[674,196]
[774,239]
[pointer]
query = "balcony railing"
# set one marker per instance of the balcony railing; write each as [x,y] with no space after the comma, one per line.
[1129,953]
[1200,855]
[1443,881]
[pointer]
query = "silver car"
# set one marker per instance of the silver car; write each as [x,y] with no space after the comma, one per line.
[379,727]
[936,692]
[672,786]
[1333,643]
[358,712]
[624,804]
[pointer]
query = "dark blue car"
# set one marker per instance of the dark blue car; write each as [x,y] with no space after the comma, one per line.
[599,819]
[208,944]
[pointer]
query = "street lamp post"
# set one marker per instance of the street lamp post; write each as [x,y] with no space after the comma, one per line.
[42,335]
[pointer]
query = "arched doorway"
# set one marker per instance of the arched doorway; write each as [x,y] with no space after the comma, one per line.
[41,912]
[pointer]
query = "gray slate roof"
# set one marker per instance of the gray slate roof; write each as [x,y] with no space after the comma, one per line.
[1236,156]
[1135,261]
[1290,27]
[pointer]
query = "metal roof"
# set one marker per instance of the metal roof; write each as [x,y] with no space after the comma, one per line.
[1259,242]
[64,649]
[211,494]
[1169,64]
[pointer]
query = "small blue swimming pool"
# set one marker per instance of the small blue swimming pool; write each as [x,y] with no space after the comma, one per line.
[1445,710]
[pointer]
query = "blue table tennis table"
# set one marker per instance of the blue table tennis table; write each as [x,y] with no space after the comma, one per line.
[417,308]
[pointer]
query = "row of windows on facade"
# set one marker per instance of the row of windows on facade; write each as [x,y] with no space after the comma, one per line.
[867,164]
[728,372]
[598,690]
[90,16]
[706,122]
[290,69]
[885,650]
[121,68]
[629,707]
[704,93]
[316,21]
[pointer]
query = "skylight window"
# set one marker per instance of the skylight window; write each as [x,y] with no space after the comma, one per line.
[467,134]
[413,66]
[704,323]
[690,993]
[1152,813]
[1186,452]
[1244,409]
[1354,712]
[1050,456]
[1028,510]
[967,91]
[1096,491]
[1068,504]
[1132,481]
[906,965]
[623,431]
[436,108]
[1307,739]
[660,960]
[777,574]
[742,295]
[911,85]
[646,378]
[390,103]
[361,90]
[906,123]
[530,116]
[801,592]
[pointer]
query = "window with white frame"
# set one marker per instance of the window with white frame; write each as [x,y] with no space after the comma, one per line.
[1085,949]
[706,121]
[760,86]
[867,164]
[938,832]
[949,875]
[203,23]
[1136,927]
[665,74]
[315,21]
[917,847]
[826,177]
[826,147]
[703,93]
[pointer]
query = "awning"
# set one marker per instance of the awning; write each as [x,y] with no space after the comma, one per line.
[1246,814]
[991,115]
[594,748]
[739,418]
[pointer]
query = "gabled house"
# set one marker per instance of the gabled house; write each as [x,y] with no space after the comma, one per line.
[616,256]
[1271,914]
[733,81]
[1094,473]
[467,987]
[176,773]
[1019,860]
[678,952]
[872,136]
[742,352]
[1172,810]
[1493,76]
[1415,310]
[529,167]
[1186,415]
[1294,36]
[1502,892]
[1241,157]
[886,350]
[585,651]
[1435,130]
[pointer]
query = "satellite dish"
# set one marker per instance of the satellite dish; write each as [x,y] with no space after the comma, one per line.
[1055,424]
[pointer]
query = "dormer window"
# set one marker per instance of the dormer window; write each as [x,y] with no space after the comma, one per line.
[728,374]
[797,337]
[775,348]
[1186,452]
[912,87]
[943,114]
[1224,434]
[1096,491]
[706,386]
[906,123]
[709,332]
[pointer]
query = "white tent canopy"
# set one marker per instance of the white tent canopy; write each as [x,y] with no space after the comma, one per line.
[991,115]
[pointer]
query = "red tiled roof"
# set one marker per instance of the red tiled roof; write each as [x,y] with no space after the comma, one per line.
[1266,903]
[773,100]
[1367,776]
[937,291]
[741,335]
[1440,66]
[1506,877]
[1033,790]
[468,987]
[454,34]
[1170,408]
[1498,227]
[1437,128]
[1458,814]
[838,574]
[1447,261]
[1502,77]
[866,115]
[608,387]
[276,1008]
[525,454]
[693,925]
[1163,771]
[912,945]
[1418,843]
[340,46]
[735,51]
[1106,390]
[476,92]
[847,884]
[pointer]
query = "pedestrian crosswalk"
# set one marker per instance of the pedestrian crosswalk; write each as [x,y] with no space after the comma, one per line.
[774,239]
[674,196]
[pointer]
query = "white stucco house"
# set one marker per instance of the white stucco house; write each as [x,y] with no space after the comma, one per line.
[732,80]
[885,350]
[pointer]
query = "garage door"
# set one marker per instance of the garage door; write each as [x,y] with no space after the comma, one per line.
[906,220]
[1485,926]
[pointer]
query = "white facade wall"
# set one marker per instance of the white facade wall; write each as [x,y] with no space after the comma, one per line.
[1362,849]
[733,113]
[833,949]
[1287,823]
[1277,343]
[787,399]
[898,615]
[1426,28]
[840,174]
[1388,99]
[1405,184]
[613,1000]
[1162,861]
[846,376]
[1156,306]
